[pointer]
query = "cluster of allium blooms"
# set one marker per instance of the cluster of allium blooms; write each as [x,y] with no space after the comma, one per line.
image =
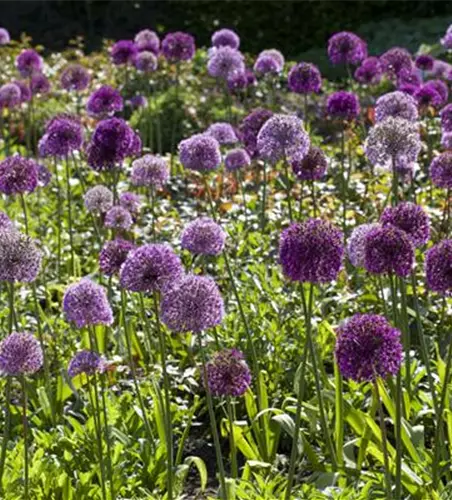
[410,218]
[178,46]
[75,77]
[395,60]
[20,354]
[237,159]
[5,222]
[369,72]
[225,38]
[192,304]
[150,170]
[346,48]
[200,152]
[311,251]
[131,202]
[118,218]
[203,236]
[18,175]
[44,176]
[39,84]
[424,62]
[146,62]
[98,199]
[86,303]
[250,127]
[446,41]
[304,78]
[25,92]
[446,118]
[87,362]
[441,170]
[4,36]
[105,101]
[396,104]
[356,244]
[63,135]
[312,167]
[28,62]
[123,52]
[113,255]
[20,258]
[223,132]
[148,41]
[438,265]
[225,62]
[282,137]
[368,347]
[228,374]
[150,268]
[10,96]
[343,105]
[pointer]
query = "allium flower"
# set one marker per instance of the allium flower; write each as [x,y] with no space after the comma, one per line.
[225,62]
[346,48]
[85,303]
[5,222]
[343,105]
[75,77]
[274,54]
[438,263]
[20,354]
[312,167]
[446,41]
[105,101]
[131,202]
[424,62]
[441,170]
[98,199]
[441,69]
[396,104]
[356,244]
[150,170]
[446,140]
[228,374]
[203,236]
[446,118]
[396,59]
[28,62]
[409,89]
[20,259]
[282,137]
[225,38]
[369,72]
[192,304]
[266,65]
[4,36]
[223,132]
[410,218]
[427,96]
[18,175]
[146,62]
[88,362]
[137,101]
[10,96]
[113,255]
[63,136]
[178,46]
[237,82]
[441,88]
[251,126]
[118,218]
[44,175]
[39,84]
[409,77]
[200,152]
[388,249]
[25,92]
[123,52]
[147,40]
[368,347]
[304,78]
[311,251]
[237,159]
[150,268]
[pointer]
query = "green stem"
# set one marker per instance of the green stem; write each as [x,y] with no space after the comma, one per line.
[69,208]
[234,467]
[154,237]
[405,334]
[264,195]
[25,426]
[24,211]
[367,434]
[339,430]
[384,441]
[57,181]
[288,189]
[343,184]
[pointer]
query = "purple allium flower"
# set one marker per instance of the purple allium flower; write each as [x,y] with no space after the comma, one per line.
[146,62]
[312,167]
[18,175]
[123,52]
[237,82]
[446,140]
[427,95]
[28,62]
[223,132]
[251,126]
[228,374]
[200,152]
[4,36]
[343,105]
[266,65]
[368,347]
[150,268]
[137,101]
[10,96]
[88,362]
[131,202]
[441,69]
[178,46]
[396,59]
[203,236]
[44,175]
[147,40]
[192,304]
[396,104]
[410,218]
[237,159]
[346,48]
[20,354]
[357,243]
[409,77]
[225,38]
[118,218]
[441,88]
[424,62]
[105,101]
[25,92]
[446,41]
[276,55]
[441,170]
[150,170]
[304,78]
[75,77]
[5,222]
[311,251]
[282,137]
[225,62]
[438,265]
[113,255]
[63,136]
[409,89]
[388,249]
[98,199]
[39,84]
[20,258]
[446,118]
[369,72]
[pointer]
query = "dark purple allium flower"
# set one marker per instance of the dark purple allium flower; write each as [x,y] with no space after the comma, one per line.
[18,175]
[178,46]
[251,126]
[343,105]
[346,48]
[150,170]
[396,104]
[137,101]
[113,255]
[369,72]
[237,82]
[266,65]
[5,222]
[85,303]
[28,62]
[123,52]
[192,304]
[25,92]
[146,62]
[438,265]
[20,354]
[39,84]
[147,40]
[396,59]
[131,202]
[98,199]
[441,88]
[225,62]
[357,243]
[44,175]
[203,236]
[311,251]
[87,362]
[150,268]
[105,101]
[441,69]
[200,152]
[20,258]
[63,136]
[282,137]
[446,140]
[409,77]
[424,62]
[446,41]
[312,167]
[427,96]
[368,347]
[4,36]
[410,218]
[225,38]
[10,96]
[118,218]
[304,78]
[388,249]
[237,159]
[441,170]
[228,374]
[75,77]
[223,132]
[446,118]
[408,88]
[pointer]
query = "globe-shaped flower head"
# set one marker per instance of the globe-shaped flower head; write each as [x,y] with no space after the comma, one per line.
[150,171]
[428,96]
[237,159]
[438,267]
[147,40]
[410,218]
[395,60]
[312,167]
[28,62]
[251,126]
[20,354]
[369,72]
[63,135]
[225,38]
[75,77]
[446,41]
[304,78]
[269,61]
[39,84]
[87,362]
[225,62]
[123,52]
[396,104]
[130,202]
[25,92]
[446,118]
[146,62]
[178,46]
[228,374]
[118,218]
[200,152]
[356,245]
[105,101]
[223,132]
[5,222]
[424,62]
[346,48]
[113,255]
[441,170]
[203,236]
[20,258]
[4,36]
[343,105]
[98,199]
[10,96]
[18,175]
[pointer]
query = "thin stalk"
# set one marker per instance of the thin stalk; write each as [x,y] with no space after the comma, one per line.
[339,422]
[25,427]
[264,195]
[395,184]
[343,184]
[242,190]
[314,198]
[59,219]
[147,327]
[152,193]
[367,434]
[405,334]
[300,201]
[233,449]
[69,208]
[24,211]
[384,441]
[288,189]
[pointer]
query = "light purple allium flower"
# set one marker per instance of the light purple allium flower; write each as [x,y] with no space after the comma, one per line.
[39,84]
[85,303]
[367,347]
[446,140]
[75,77]
[441,69]
[225,62]
[147,41]
[396,104]
[312,167]
[118,218]
[251,126]
[228,374]
[237,159]
[150,171]
[44,175]
[123,52]
[263,64]
[369,72]
[438,265]
[150,268]
[63,135]
[20,354]
[178,46]
[225,38]
[137,101]
[98,199]
[18,175]
[409,77]
[87,362]
[113,255]
[29,62]
[131,202]
[346,48]
[200,152]
[20,258]
[410,218]
[223,132]
[10,96]
[105,101]
[357,243]
[441,170]
[343,105]
[446,41]
[446,118]
[424,62]
[5,222]
[396,59]
[203,236]
[237,82]
[192,304]
[4,36]
[25,92]
[146,62]
[282,137]
[304,78]
[311,251]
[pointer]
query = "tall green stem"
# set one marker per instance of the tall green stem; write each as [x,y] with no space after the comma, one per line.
[339,422]
[264,195]
[288,189]
[233,448]
[384,441]
[69,208]
[25,427]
